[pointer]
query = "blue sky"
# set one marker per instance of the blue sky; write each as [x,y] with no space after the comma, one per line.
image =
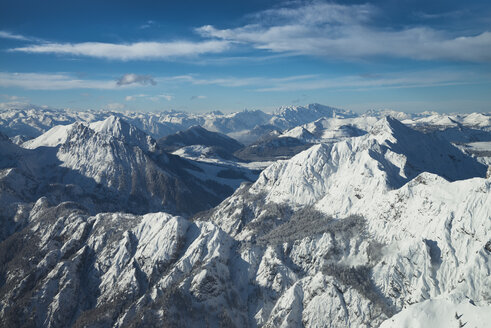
[230,55]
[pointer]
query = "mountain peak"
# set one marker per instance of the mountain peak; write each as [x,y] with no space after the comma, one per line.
[113,125]
[118,128]
[389,127]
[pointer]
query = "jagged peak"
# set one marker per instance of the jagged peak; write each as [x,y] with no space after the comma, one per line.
[197,128]
[112,128]
[112,125]
[390,127]
[311,112]
[118,128]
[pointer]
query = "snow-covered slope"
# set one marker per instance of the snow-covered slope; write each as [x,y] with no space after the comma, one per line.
[440,313]
[329,130]
[434,121]
[290,116]
[398,235]
[386,158]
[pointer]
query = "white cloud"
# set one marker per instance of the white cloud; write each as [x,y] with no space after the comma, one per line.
[234,81]
[129,51]
[13,98]
[348,32]
[9,35]
[134,97]
[38,81]
[148,24]
[405,79]
[135,78]
[411,79]
[166,97]
[153,98]
[383,81]
[14,104]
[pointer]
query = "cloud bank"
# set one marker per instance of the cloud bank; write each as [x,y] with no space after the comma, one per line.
[349,32]
[129,51]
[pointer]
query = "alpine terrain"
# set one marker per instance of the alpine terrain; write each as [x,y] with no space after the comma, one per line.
[305,217]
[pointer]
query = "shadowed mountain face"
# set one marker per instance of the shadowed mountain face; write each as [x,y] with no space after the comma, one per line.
[198,135]
[272,148]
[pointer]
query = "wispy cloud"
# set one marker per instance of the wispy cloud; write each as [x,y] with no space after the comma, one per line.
[13,98]
[135,78]
[134,97]
[129,51]
[166,97]
[427,78]
[19,37]
[406,79]
[349,32]
[14,104]
[234,81]
[381,81]
[148,24]
[115,106]
[448,14]
[38,81]
[153,98]
[13,36]
[197,97]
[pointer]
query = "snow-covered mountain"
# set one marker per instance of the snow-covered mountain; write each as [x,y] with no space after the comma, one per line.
[246,126]
[329,130]
[110,166]
[291,116]
[369,225]
[386,158]
[198,135]
[378,224]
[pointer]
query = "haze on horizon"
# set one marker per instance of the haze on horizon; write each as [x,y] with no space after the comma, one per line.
[229,55]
